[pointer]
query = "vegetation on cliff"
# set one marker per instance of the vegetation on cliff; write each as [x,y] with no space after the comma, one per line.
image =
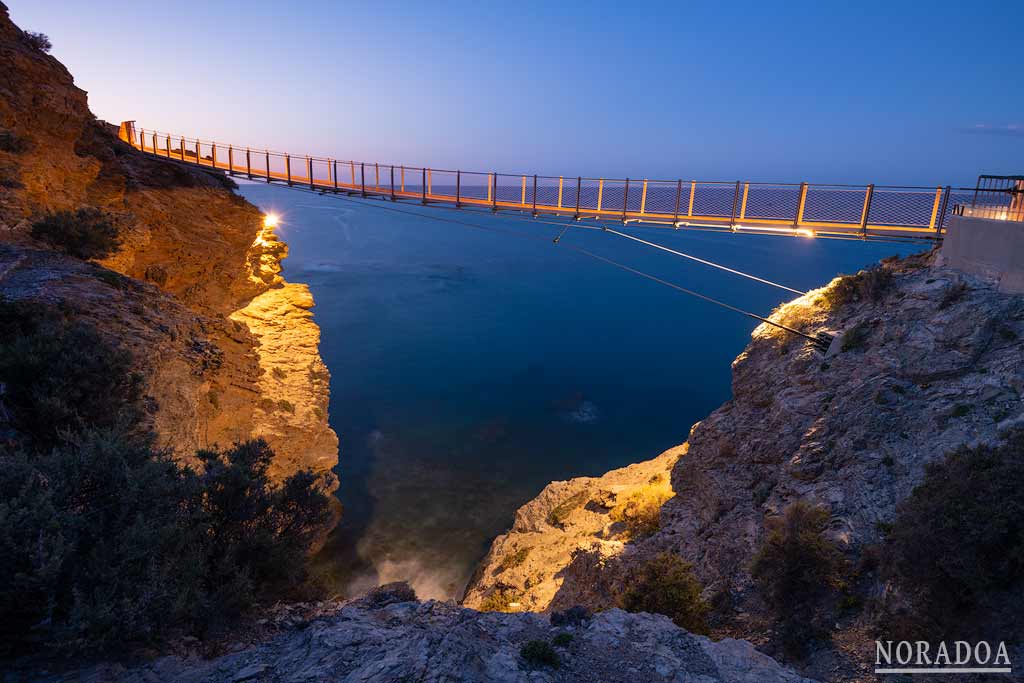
[796,568]
[955,550]
[107,539]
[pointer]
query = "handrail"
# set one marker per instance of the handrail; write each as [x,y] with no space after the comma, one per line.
[807,209]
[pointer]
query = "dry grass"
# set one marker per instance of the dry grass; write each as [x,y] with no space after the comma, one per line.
[641,512]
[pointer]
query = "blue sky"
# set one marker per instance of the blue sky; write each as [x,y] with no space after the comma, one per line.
[893,92]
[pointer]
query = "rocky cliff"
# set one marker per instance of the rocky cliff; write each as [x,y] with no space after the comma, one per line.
[926,359]
[228,349]
[380,640]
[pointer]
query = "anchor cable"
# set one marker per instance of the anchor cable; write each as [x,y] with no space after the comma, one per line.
[705,262]
[816,341]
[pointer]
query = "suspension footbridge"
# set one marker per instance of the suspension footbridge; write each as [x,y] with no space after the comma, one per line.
[804,209]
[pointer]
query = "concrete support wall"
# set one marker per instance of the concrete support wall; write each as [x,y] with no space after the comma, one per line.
[986,247]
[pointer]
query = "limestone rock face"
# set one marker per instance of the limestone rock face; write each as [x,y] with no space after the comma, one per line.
[238,355]
[934,362]
[434,641]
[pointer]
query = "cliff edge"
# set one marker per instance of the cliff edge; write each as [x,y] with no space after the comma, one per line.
[228,349]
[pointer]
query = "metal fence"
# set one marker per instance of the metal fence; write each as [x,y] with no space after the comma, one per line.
[784,208]
[1000,197]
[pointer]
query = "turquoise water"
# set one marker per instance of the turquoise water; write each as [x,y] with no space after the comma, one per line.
[470,368]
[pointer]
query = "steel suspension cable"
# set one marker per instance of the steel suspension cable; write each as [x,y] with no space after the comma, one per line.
[816,341]
[705,262]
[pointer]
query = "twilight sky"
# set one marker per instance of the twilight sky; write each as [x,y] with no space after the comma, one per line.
[887,92]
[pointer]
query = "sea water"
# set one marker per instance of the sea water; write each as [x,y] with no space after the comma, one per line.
[471,367]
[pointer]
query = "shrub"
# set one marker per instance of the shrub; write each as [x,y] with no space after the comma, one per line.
[61,376]
[667,585]
[537,654]
[954,292]
[562,640]
[86,233]
[956,546]
[867,285]
[513,560]
[500,600]
[108,541]
[641,512]
[557,516]
[795,568]
[39,41]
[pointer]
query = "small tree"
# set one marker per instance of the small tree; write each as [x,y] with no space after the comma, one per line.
[39,41]
[61,376]
[796,568]
[956,547]
[86,233]
[667,585]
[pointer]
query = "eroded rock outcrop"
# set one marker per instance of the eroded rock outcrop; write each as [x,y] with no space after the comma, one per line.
[926,359]
[237,355]
[434,641]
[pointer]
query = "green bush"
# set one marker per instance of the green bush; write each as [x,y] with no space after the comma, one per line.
[538,654]
[514,560]
[61,376]
[558,514]
[108,541]
[500,600]
[796,568]
[562,639]
[956,546]
[667,585]
[39,41]
[867,285]
[86,233]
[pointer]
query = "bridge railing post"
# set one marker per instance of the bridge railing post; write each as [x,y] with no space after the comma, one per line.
[600,193]
[248,163]
[309,171]
[458,189]
[679,196]
[743,202]
[935,209]
[865,212]
[392,182]
[735,204]
[182,150]
[579,187]
[231,160]
[942,210]
[402,178]
[213,154]
[288,168]
[335,165]
[362,177]
[625,200]
[423,186]
[494,192]
[535,195]
[801,203]
[199,159]
[154,143]
[167,145]
[560,181]
[522,192]
[267,153]
[693,193]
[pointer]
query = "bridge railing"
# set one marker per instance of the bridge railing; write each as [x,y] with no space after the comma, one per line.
[788,208]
